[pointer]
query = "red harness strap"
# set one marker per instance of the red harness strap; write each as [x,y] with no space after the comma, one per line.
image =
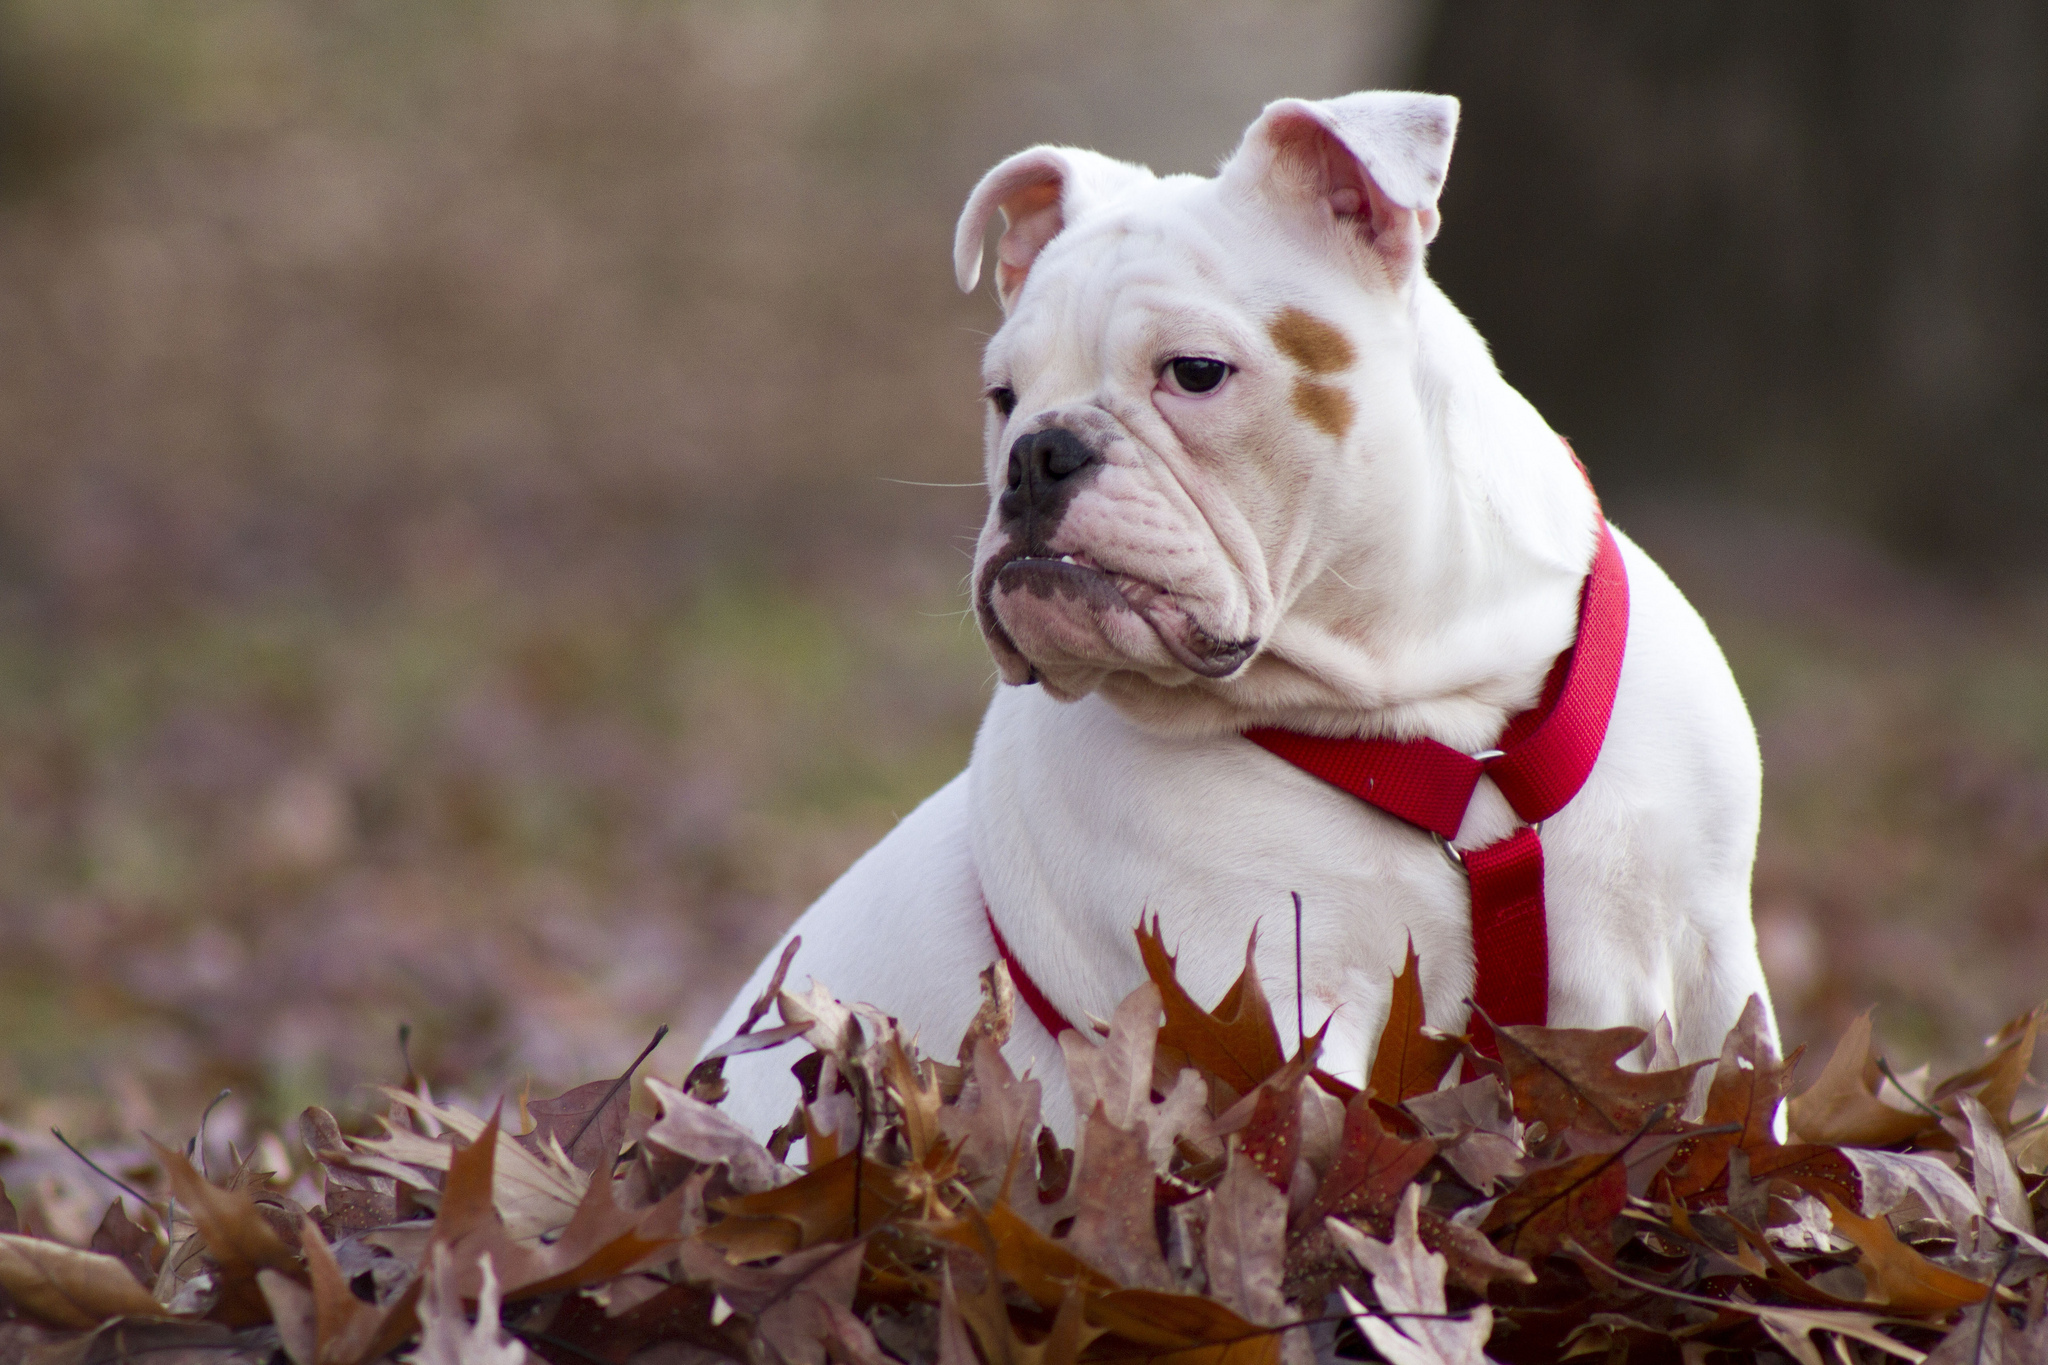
[1046,1012]
[1543,759]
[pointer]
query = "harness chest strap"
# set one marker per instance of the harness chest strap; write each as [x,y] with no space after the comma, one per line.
[1544,756]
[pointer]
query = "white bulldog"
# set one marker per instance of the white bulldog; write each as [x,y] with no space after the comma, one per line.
[1250,468]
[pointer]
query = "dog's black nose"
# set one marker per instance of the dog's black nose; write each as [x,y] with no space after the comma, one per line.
[1043,469]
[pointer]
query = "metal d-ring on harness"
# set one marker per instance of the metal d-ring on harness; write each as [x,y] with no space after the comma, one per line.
[1452,854]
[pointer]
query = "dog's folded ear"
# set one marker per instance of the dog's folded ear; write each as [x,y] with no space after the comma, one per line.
[1041,192]
[1371,163]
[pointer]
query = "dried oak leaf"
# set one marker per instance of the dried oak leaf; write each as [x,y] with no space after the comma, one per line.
[1408,1061]
[1842,1109]
[66,1287]
[1896,1276]
[1245,1243]
[789,1301]
[814,1208]
[690,1128]
[1570,1078]
[238,1239]
[601,1239]
[1117,1076]
[1178,1329]
[133,1245]
[534,1194]
[447,1336]
[1115,1228]
[327,1324]
[2000,1074]
[1235,1045]
[1476,1123]
[588,1123]
[1046,1271]
[1749,1083]
[1409,1279]
[355,1199]
[993,1127]
[1578,1199]
[1371,1169]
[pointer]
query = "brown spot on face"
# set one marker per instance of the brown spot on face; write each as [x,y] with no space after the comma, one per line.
[1326,405]
[1310,342]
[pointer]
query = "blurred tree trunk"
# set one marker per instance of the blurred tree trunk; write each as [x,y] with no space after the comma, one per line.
[1789,251]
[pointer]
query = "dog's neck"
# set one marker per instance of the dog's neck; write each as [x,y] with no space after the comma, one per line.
[1443,618]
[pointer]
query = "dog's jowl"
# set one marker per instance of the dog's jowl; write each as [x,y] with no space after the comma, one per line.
[1292,593]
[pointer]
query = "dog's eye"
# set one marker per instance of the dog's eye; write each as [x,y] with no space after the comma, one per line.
[1196,374]
[1005,399]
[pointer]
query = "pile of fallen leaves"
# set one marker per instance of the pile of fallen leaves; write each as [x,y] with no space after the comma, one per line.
[1225,1204]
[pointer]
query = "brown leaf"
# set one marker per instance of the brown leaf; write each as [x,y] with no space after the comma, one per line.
[331,1324]
[1569,1078]
[1184,1329]
[1577,1199]
[814,1208]
[1113,1193]
[915,1088]
[1408,1279]
[1372,1168]
[1245,1242]
[1271,1141]
[1749,1082]
[1235,1045]
[1047,1271]
[787,1300]
[993,1126]
[691,1128]
[120,1237]
[589,1122]
[1408,1061]
[238,1239]
[1841,1108]
[10,1221]
[2001,1074]
[66,1287]
[1119,1072]
[1895,1275]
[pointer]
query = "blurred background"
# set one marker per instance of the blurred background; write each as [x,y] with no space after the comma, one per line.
[475,538]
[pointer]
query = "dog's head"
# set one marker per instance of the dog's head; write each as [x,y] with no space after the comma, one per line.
[1203,399]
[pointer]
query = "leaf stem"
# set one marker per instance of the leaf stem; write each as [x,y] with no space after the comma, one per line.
[104,1173]
[591,1117]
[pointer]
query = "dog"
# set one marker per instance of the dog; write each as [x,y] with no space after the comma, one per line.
[1252,474]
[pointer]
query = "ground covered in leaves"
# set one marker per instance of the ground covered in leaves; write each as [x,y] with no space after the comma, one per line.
[1224,1204]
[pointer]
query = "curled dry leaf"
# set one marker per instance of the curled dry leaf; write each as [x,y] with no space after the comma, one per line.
[447,1336]
[1841,1108]
[1408,1278]
[238,1239]
[1571,1078]
[1115,1076]
[691,1128]
[1899,1278]
[66,1287]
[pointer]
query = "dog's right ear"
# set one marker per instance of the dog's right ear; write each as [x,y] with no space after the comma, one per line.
[1041,192]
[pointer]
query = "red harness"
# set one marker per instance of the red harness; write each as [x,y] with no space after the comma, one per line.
[1542,759]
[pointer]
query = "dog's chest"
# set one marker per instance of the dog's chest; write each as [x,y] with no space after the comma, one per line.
[1083,822]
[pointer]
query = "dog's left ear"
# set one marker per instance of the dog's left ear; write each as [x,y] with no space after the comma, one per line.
[1041,193]
[1372,163]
